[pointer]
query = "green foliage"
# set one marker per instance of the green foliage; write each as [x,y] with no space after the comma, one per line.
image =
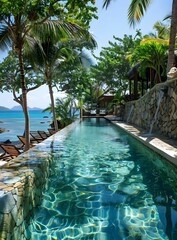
[35,10]
[33,21]
[137,9]
[66,110]
[84,11]
[10,75]
[151,55]
[28,21]
[75,80]
[163,30]
[113,63]
[118,100]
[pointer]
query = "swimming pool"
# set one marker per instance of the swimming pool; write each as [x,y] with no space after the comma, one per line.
[104,185]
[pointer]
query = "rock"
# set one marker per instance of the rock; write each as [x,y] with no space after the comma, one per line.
[2,130]
[7,203]
[7,141]
[172,73]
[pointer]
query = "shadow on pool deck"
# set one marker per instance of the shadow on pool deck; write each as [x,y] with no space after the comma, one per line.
[164,146]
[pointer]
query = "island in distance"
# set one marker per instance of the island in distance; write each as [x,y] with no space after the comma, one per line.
[17,108]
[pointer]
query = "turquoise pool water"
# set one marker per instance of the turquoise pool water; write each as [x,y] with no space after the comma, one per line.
[104,185]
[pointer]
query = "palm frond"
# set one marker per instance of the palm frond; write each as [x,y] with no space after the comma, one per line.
[136,10]
[34,51]
[61,30]
[163,30]
[5,39]
[106,3]
[168,17]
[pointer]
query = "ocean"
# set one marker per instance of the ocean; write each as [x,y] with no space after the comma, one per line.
[14,123]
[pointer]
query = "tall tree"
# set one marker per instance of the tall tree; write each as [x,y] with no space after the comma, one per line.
[48,61]
[22,20]
[53,58]
[10,77]
[113,64]
[136,11]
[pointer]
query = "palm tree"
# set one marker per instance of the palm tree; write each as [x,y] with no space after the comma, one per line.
[163,30]
[48,59]
[66,110]
[20,22]
[136,11]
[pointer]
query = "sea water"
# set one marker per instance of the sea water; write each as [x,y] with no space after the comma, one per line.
[14,123]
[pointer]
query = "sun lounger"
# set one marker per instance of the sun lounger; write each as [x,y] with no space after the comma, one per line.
[4,157]
[23,141]
[51,131]
[93,111]
[43,134]
[35,136]
[102,111]
[10,150]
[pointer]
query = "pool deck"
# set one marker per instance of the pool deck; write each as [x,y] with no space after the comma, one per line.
[164,146]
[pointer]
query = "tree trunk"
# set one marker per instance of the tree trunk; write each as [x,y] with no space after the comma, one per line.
[173,28]
[24,100]
[53,106]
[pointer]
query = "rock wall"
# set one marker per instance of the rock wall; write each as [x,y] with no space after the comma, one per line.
[156,111]
[21,184]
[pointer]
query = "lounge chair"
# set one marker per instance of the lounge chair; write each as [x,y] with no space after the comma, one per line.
[43,134]
[5,157]
[23,141]
[93,111]
[102,111]
[11,150]
[35,136]
[51,131]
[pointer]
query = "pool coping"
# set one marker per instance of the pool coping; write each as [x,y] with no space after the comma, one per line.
[164,146]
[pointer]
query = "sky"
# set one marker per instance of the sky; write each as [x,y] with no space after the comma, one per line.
[112,21]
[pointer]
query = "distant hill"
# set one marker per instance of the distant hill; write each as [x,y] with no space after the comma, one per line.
[18,108]
[4,108]
[34,108]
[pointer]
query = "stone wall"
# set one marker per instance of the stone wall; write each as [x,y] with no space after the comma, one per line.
[21,184]
[156,111]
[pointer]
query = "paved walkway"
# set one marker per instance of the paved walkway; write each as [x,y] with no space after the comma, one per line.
[164,146]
